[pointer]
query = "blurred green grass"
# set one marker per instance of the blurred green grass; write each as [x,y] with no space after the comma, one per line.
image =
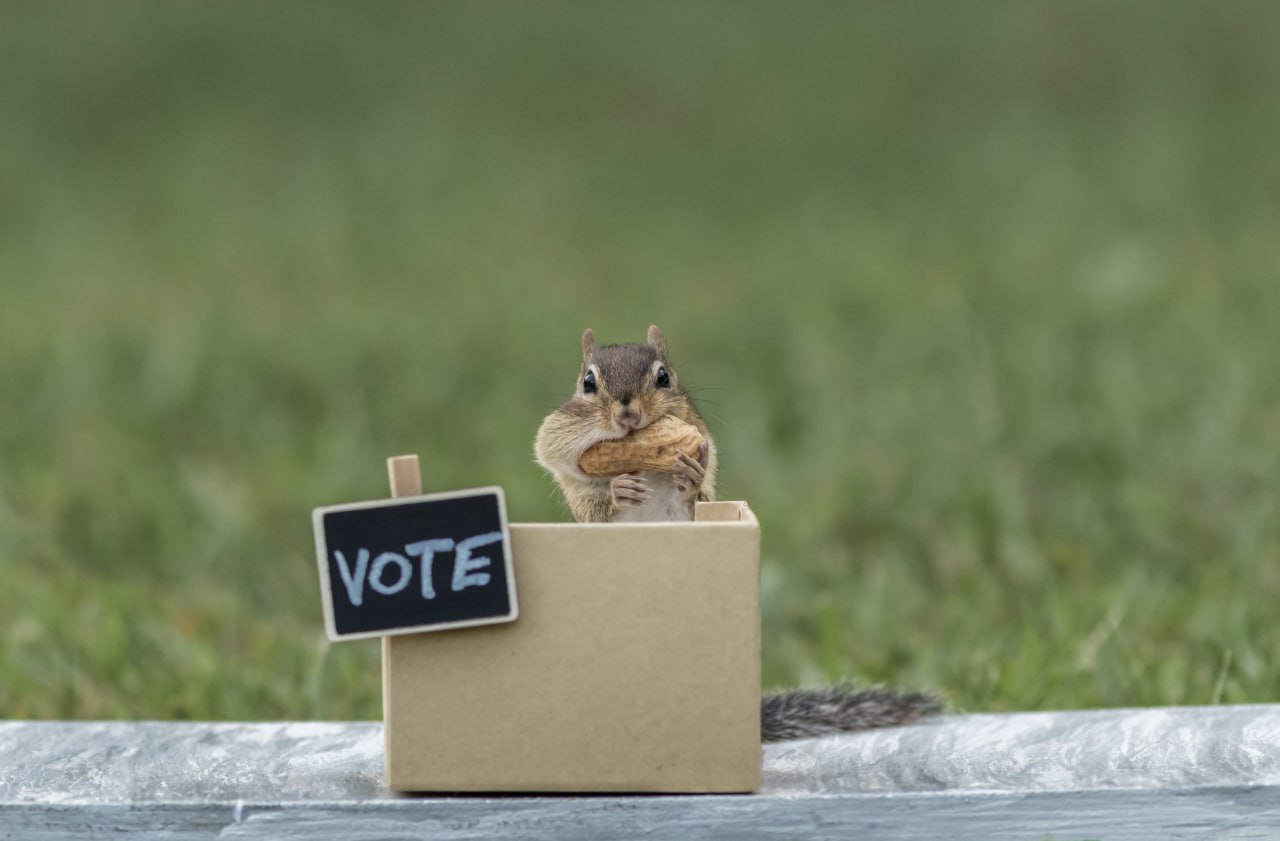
[980,300]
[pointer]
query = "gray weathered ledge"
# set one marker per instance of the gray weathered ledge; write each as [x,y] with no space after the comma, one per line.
[1211,772]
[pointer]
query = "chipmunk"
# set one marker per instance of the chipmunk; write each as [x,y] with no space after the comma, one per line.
[622,388]
[625,387]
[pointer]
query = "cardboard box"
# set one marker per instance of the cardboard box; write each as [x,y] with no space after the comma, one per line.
[634,666]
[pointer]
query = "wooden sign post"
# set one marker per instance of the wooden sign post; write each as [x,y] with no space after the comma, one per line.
[404,476]
[415,562]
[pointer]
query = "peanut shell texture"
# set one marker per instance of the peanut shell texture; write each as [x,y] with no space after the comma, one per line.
[655,447]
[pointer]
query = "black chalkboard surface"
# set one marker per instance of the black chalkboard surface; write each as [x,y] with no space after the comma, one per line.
[412,564]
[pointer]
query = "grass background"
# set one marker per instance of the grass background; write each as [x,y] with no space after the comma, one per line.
[980,299]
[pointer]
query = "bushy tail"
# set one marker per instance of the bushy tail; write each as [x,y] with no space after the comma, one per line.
[799,713]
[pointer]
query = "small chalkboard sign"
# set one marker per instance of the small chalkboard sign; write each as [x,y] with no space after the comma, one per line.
[412,564]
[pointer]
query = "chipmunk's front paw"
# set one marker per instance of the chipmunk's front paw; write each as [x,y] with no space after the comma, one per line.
[629,488]
[691,472]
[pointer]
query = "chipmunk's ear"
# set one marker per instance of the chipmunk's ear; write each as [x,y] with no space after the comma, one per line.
[657,341]
[588,343]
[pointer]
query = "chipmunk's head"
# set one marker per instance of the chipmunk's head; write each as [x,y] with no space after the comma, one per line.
[631,384]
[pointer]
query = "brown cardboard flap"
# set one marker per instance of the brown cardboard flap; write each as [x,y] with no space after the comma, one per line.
[634,666]
[722,512]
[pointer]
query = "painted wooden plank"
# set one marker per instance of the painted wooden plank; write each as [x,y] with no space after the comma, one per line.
[1114,774]
[1110,815]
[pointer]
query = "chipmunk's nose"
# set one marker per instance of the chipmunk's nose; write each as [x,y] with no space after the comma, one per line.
[628,418]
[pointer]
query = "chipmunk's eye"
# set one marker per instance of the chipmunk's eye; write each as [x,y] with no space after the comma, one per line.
[664,379]
[589,383]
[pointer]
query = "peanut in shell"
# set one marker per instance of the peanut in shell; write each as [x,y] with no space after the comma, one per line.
[655,447]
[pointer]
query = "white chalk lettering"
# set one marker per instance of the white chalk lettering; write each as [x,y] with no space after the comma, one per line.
[468,570]
[463,563]
[380,563]
[427,549]
[353,581]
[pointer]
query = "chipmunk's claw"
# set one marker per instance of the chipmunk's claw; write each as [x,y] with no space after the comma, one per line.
[629,488]
[691,473]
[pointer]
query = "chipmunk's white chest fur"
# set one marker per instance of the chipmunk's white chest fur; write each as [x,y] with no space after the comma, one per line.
[662,503]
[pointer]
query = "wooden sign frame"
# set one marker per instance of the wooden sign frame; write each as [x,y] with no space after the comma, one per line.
[326,582]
